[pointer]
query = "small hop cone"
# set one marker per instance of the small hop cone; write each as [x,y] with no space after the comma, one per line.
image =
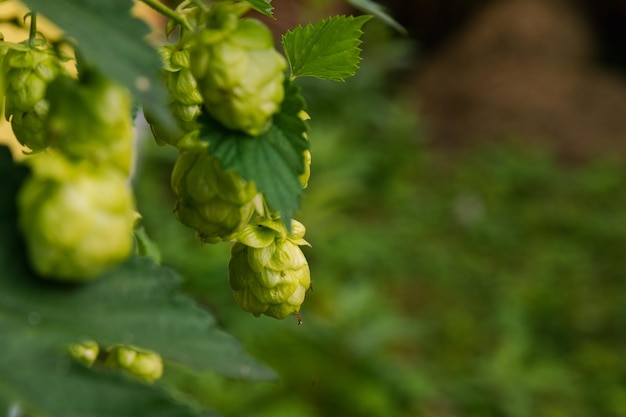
[306,155]
[29,127]
[28,72]
[77,220]
[91,119]
[304,177]
[215,202]
[141,363]
[239,72]
[85,352]
[268,272]
[185,98]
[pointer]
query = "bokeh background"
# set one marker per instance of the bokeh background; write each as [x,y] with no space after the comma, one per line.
[467,215]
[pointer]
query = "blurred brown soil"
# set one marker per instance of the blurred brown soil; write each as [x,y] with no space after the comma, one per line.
[525,70]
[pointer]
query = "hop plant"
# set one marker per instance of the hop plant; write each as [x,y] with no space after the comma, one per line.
[268,272]
[215,202]
[91,118]
[239,72]
[77,219]
[28,72]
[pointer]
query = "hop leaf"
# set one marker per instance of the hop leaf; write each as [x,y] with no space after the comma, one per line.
[262,6]
[328,50]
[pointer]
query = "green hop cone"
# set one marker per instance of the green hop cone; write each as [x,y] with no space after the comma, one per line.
[141,363]
[29,126]
[185,98]
[215,202]
[268,272]
[85,352]
[28,72]
[306,155]
[91,118]
[77,219]
[304,177]
[239,72]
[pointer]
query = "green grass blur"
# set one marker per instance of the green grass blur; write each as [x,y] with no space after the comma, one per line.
[488,283]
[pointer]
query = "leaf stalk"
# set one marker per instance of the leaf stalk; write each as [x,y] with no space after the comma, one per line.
[32,33]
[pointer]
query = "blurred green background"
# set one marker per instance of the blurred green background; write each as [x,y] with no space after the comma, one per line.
[482,279]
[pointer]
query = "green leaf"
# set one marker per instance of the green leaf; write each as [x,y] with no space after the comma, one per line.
[52,384]
[137,303]
[262,6]
[373,8]
[328,50]
[273,160]
[111,38]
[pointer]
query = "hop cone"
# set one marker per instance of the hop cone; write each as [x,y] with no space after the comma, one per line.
[185,98]
[77,220]
[28,72]
[91,119]
[239,72]
[85,352]
[214,202]
[268,272]
[141,363]
[306,155]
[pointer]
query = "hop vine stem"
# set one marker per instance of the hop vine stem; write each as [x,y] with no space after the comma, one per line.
[167,12]
[32,34]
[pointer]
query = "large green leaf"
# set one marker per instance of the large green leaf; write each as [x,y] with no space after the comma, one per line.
[136,303]
[273,160]
[327,50]
[39,379]
[110,37]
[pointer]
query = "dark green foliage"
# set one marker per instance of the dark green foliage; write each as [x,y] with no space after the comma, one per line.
[488,284]
[137,303]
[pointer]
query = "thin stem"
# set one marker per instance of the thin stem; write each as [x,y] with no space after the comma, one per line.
[199,3]
[167,12]
[32,34]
